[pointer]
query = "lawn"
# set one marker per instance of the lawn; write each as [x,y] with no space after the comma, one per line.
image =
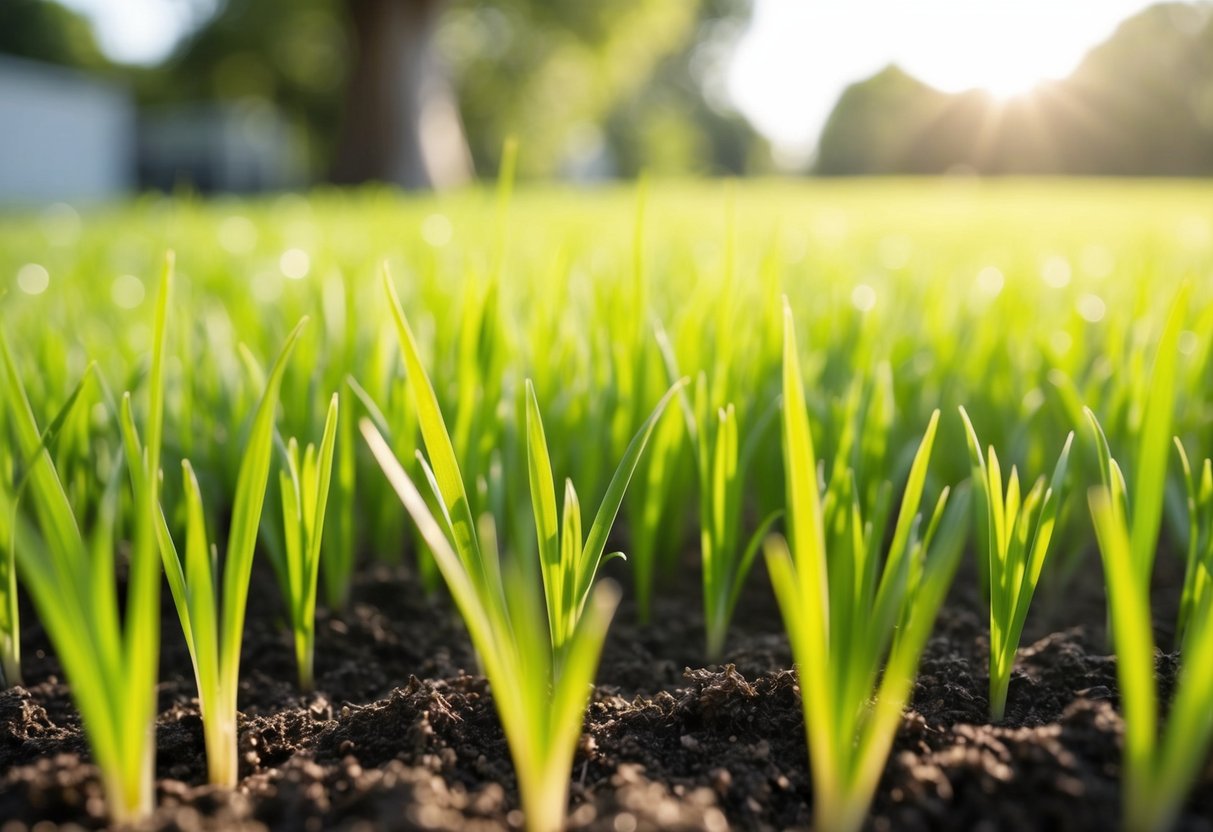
[384,449]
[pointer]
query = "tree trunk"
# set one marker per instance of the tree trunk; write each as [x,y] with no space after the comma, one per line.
[401,122]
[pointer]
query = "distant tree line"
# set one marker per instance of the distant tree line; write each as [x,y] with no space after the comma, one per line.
[1141,103]
[424,92]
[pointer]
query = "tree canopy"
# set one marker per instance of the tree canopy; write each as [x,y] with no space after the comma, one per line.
[1141,103]
[558,76]
[42,31]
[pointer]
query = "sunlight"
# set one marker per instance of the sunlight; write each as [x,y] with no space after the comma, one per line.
[1003,80]
[797,57]
[1005,59]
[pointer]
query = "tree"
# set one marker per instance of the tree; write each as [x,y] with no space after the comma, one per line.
[45,31]
[546,71]
[401,122]
[408,91]
[1141,103]
[678,121]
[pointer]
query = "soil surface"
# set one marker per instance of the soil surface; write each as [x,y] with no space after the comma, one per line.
[401,733]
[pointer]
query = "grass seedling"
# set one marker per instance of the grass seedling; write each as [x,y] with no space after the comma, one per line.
[303,484]
[652,500]
[337,556]
[10,621]
[721,465]
[1019,530]
[1198,570]
[213,622]
[540,672]
[1143,509]
[1159,768]
[110,658]
[845,611]
[722,469]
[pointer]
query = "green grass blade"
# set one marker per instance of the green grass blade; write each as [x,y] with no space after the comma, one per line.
[201,602]
[463,590]
[898,680]
[1131,632]
[799,578]
[319,508]
[1184,749]
[543,503]
[566,583]
[441,452]
[595,543]
[51,432]
[746,562]
[1046,522]
[246,517]
[1149,481]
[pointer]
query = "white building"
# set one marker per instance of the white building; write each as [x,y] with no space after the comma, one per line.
[229,147]
[63,135]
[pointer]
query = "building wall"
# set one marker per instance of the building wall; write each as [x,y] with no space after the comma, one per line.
[219,147]
[63,136]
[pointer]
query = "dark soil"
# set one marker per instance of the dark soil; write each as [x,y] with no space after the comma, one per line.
[402,733]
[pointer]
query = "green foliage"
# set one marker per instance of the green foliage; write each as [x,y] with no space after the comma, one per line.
[847,610]
[1157,772]
[721,464]
[212,607]
[1140,103]
[1198,569]
[562,75]
[10,621]
[43,30]
[540,671]
[897,282]
[337,553]
[1143,507]
[508,58]
[568,564]
[111,660]
[1018,531]
[303,484]
[1159,768]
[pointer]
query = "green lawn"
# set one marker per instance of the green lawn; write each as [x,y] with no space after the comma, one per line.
[1022,301]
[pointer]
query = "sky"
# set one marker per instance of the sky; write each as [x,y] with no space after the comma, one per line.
[139,31]
[797,56]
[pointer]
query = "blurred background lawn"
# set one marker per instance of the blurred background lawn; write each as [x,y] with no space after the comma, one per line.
[103,98]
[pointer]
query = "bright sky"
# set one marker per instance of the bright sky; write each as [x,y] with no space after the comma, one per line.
[139,31]
[797,55]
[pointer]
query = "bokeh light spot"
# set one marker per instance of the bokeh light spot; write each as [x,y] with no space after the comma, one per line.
[863,297]
[295,263]
[127,291]
[436,230]
[33,279]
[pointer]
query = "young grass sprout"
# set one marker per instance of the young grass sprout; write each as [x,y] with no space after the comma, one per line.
[721,464]
[111,659]
[1019,530]
[1143,508]
[10,621]
[540,672]
[845,611]
[303,483]
[1198,570]
[13,479]
[1159,768]
[213,620]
